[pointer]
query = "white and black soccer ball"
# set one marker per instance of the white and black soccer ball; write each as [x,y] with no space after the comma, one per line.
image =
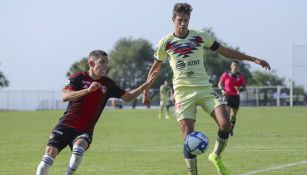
[196,143]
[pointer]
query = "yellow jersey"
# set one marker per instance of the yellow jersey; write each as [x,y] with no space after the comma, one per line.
[186,57]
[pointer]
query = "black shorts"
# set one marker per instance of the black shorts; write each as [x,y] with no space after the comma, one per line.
[61,136]
[233,101]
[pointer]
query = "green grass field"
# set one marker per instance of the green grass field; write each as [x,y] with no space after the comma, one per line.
[135,142]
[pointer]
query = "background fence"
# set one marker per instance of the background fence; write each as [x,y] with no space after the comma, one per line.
[49,100]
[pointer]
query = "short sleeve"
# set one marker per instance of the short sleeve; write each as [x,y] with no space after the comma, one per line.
[222,78]
[116,92]
[208,39]
[160,52]
[74,83]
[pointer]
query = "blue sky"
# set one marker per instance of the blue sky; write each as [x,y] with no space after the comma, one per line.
[40,39]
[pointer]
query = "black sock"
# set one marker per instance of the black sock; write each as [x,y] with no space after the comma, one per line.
[186,153]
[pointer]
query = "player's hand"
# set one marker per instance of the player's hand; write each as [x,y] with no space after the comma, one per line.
[237,88]
[145,99]
[93,87]
[263,63]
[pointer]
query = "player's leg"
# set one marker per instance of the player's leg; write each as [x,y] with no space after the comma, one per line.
[213,104]
[233,119]
[47,160]
[234,107]
[167,116]
[220,115]
[161,110]
[79,146]
[187,126]
[186,117]
[57,141]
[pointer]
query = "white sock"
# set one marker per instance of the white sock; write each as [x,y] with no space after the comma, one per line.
[191,166]
[75,159]
[42,168]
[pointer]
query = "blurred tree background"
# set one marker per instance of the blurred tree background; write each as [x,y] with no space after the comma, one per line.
[130,61]
[4,82]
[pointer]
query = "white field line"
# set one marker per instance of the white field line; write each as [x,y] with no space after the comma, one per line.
[275,168]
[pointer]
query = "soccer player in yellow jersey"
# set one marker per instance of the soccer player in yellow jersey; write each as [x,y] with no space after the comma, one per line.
[165,97]
[185,49]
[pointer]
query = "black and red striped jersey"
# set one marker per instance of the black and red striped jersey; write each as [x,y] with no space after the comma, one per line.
[83,113]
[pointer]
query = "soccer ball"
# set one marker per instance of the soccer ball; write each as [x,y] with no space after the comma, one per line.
[196,143]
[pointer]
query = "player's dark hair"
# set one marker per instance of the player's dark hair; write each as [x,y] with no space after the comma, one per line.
[98,53]
[235,61]
[180,8]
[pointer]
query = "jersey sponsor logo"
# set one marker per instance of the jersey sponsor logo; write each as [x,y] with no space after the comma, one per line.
[193,62]
[184,49]
[190,73]
[180,65]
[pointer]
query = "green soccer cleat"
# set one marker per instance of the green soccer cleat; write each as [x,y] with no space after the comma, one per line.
[216,160]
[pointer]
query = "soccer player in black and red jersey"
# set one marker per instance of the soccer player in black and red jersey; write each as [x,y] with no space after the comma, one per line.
[231,84]
[87,94]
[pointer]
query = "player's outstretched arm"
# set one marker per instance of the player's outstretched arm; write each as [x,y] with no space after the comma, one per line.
[70,95]
[155,69]
[136,92]
[230,53]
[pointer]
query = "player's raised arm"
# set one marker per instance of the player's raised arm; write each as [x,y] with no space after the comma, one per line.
[70,95]
[230,53]
[154,71]
[136,92]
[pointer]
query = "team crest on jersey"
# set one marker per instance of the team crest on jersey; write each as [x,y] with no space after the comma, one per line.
[103,89]
[184,49]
